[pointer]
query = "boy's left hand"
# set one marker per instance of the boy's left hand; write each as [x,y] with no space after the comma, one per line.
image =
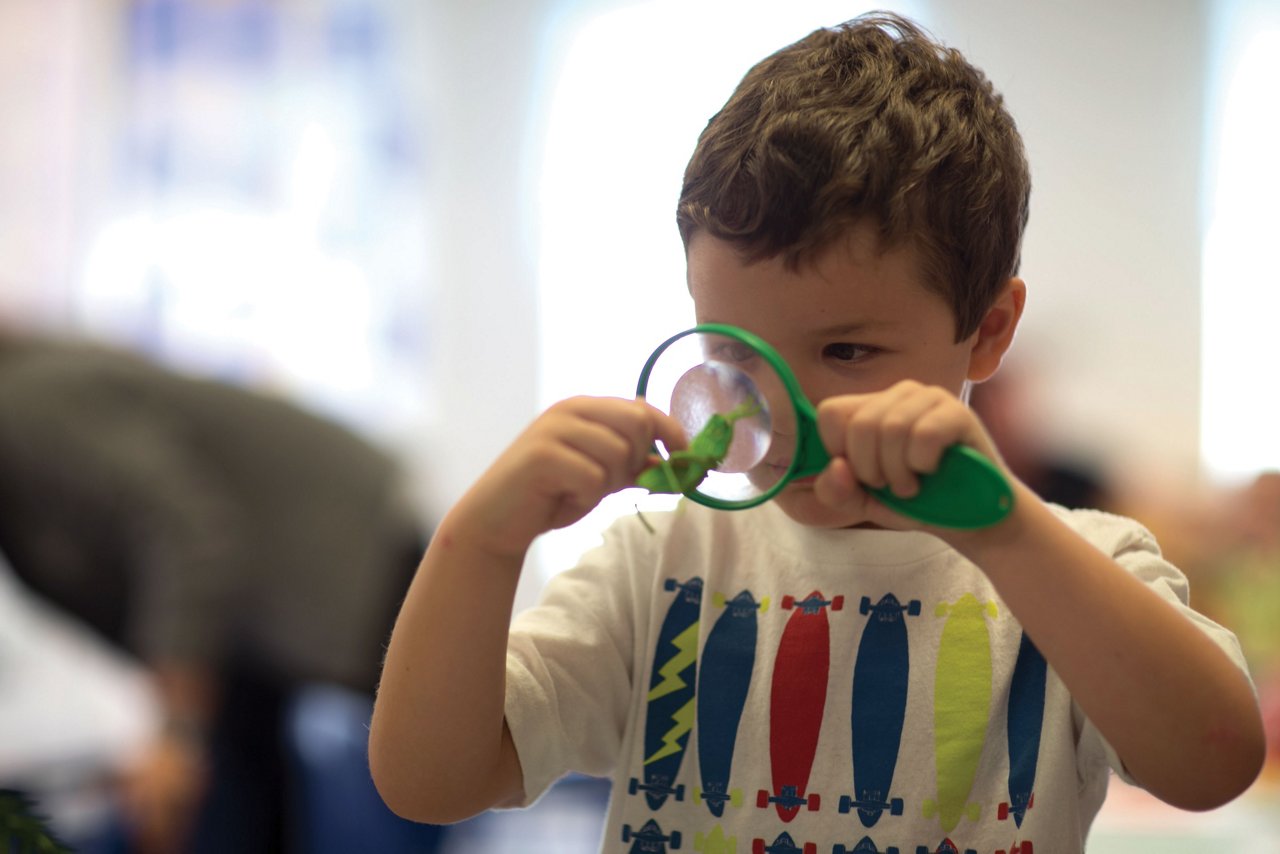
[889,438]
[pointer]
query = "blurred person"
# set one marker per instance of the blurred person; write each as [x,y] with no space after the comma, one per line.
[1243,579]
[1004,405]
[238,546]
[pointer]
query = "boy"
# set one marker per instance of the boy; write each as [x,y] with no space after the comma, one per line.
[858,203]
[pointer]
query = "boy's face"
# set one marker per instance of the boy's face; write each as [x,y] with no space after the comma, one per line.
[854,321]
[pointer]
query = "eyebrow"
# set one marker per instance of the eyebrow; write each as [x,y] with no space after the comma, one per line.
[856,327]
[838,329]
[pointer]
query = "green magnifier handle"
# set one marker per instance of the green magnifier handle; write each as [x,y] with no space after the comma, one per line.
[966,491]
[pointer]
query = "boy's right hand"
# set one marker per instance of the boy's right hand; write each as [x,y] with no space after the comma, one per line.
[573,455]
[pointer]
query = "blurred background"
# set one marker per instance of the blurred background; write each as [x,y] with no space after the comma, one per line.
[427,219]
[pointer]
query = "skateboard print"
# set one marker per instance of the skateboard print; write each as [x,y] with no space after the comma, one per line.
[670,711]
[865,845]
[784,844]
[650,839]
[1026,714]
[946,846]
[1018,848]
[724,676]
[879,707]
[961,706]
[797,699]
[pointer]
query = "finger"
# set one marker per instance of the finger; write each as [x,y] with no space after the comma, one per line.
[617,456]
[909,433]
[638,422]
[834,415]
[836,486]
[664,427]
[937,429]
[561,470]
[865,435]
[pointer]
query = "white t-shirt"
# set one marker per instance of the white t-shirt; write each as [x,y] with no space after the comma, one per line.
[751,684]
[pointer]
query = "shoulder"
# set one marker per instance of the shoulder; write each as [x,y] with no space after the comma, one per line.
[1132,546]
[1110,532]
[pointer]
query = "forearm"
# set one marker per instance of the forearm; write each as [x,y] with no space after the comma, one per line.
[439,749]
[1178,712]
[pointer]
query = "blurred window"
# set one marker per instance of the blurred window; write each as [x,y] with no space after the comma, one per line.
[1240,418]
[266,215]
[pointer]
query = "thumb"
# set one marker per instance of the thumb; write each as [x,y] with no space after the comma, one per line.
[836,486]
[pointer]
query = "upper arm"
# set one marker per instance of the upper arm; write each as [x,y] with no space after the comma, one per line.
[509,778]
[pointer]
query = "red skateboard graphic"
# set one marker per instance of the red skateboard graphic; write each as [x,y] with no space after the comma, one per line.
[797,699]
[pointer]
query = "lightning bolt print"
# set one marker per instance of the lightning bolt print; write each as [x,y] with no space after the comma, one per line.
[686,656]
[672,740]
[670,708]
[686,644]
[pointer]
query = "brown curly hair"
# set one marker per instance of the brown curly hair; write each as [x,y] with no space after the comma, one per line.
[872,119]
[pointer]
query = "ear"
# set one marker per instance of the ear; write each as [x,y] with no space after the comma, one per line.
[995,332]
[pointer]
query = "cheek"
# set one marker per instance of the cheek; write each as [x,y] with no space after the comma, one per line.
[834,383]
[944,366]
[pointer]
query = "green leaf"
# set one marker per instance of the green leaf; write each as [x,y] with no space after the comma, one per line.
[21,830]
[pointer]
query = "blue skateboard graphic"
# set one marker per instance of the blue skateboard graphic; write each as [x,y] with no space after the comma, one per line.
[879,707]
[1026,714]
[728,658]
[784,844]
[658,790]
[789,801]
[669,716]
[946,846]
[650,839]
[865,846]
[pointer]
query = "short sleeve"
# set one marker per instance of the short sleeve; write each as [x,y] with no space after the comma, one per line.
[1136,550]
[570,660]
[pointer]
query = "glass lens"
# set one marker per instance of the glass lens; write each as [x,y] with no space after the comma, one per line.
[704,377]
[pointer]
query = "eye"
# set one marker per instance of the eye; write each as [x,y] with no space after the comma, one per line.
[733,352]
[847,352]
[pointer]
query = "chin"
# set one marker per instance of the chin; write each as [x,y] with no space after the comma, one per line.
[804,508]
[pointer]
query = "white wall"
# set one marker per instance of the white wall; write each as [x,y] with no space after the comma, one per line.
[52,92]
[480,80]
[1109,98]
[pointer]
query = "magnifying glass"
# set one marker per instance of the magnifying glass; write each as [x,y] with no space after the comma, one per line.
[753,431]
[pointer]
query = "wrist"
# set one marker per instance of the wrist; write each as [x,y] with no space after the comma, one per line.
[468,533]
[986,546]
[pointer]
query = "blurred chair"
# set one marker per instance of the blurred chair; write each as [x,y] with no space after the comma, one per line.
[72,712]
[337,809]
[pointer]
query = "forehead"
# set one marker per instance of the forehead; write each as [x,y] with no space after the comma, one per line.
[856,283]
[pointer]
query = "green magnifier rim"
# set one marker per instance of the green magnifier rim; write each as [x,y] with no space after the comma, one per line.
[966,491]
[810,456]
